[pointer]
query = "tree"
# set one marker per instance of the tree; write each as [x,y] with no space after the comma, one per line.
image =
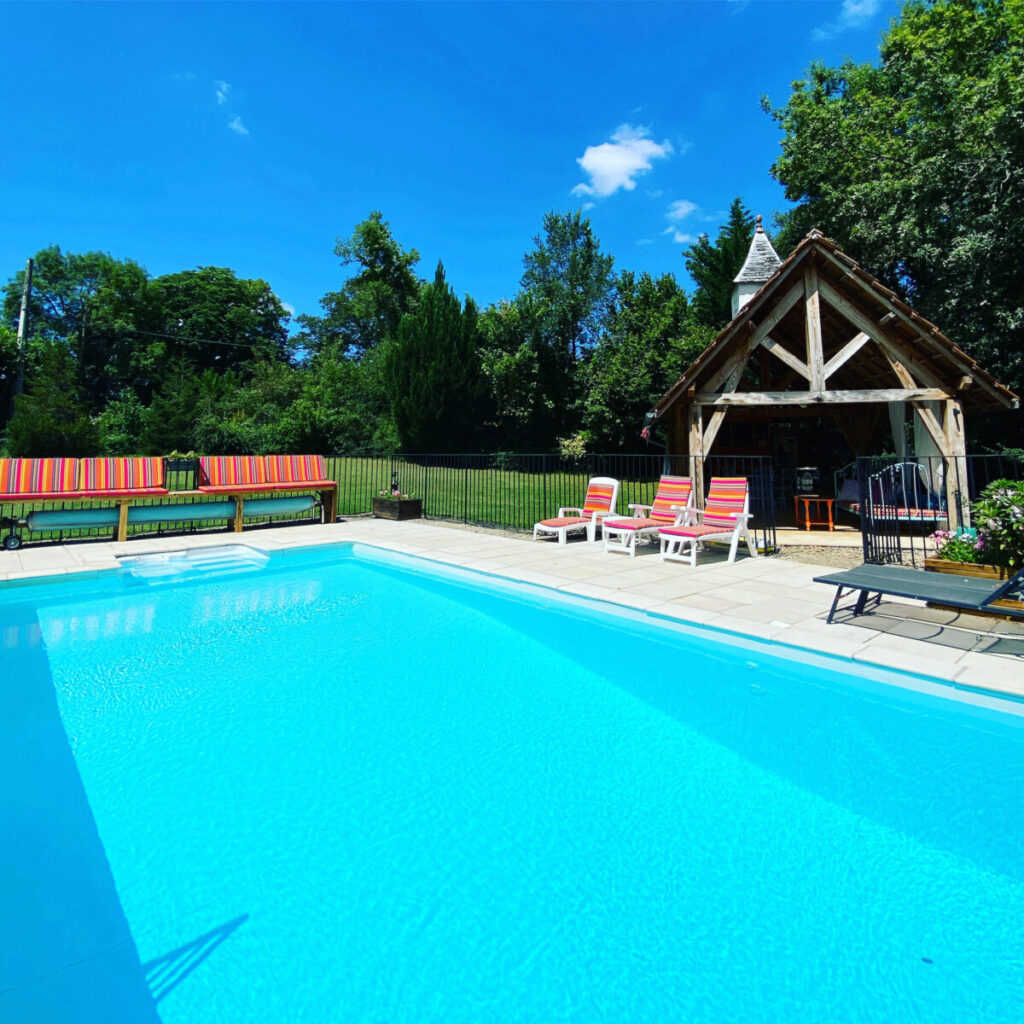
[52,418]
[571,279]
[433,372]
[219,321]
[713,267]
[369,307]
[122,423]
[170,417]
[915,166]
[648,344]
[93,304]
[566,287]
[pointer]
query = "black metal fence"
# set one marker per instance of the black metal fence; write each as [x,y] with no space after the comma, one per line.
[504,490]
[902,502]
[514,491]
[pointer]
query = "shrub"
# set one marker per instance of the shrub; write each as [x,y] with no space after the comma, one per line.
[999,517]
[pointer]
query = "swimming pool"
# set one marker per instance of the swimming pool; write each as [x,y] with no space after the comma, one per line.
[343,785]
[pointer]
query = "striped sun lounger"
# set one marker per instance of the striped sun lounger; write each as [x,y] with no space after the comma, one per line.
[672,506]
[602,494]
[725,517]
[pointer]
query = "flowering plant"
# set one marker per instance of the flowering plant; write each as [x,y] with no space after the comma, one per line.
[394,492]
[999,514]
[959,546]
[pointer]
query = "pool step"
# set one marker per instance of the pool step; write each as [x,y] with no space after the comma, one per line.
[174,566]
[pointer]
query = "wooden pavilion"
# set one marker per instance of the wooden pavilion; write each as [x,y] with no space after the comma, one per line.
[818,335]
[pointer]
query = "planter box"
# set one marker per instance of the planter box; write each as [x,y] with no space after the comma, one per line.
[995,573]
[392,508]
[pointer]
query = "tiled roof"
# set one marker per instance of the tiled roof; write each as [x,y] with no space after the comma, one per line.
[762,260]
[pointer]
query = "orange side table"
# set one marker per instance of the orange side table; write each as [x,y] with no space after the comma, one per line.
[814,508]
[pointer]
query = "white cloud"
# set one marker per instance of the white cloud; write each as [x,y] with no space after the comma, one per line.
[616,164]
[852,14]
[587,206]
[235,124]
[681,209]
[679,237]
[287,307]
[222,90]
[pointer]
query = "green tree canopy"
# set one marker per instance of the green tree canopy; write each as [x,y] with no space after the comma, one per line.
[714,265]
[219,321]
[370,306]
[433,372]
[92,303]
[52,418]
[915,166]
[648,343]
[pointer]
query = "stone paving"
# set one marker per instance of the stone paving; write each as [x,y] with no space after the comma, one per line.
[773,599]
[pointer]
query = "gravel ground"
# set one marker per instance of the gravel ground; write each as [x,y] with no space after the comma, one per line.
[836,557]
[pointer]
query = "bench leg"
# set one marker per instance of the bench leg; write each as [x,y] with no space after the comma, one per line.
[122,520]
[239,507]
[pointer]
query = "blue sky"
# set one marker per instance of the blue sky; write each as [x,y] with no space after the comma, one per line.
[253,135]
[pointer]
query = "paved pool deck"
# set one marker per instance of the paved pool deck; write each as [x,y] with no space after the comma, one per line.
[770,598]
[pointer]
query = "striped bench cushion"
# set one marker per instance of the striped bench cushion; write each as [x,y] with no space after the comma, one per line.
[119,476]
[672,490]
[565,521]
[235,471]
[296,469]
[727,497]
[50,477]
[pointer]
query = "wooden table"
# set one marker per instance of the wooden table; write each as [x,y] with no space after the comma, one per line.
[814,508]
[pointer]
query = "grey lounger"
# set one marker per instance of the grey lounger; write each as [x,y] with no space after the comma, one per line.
[967,592]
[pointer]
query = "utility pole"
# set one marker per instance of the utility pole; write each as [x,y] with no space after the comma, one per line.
[26,295]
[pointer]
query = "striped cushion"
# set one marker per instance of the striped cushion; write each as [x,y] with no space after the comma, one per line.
[690,531]
[599,499]
[38,476]
[673,490]
[635,523]
[231,470]
[120,474]
[564,521]
[294,469]
[727,497]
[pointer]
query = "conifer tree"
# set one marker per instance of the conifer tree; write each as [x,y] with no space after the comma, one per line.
[433,372]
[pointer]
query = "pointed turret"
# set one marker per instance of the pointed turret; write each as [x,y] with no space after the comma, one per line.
[761,263]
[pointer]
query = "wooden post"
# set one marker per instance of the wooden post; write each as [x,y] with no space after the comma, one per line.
[122,519]
[696,447]
[329,504]
[239,507]
[815,354]
[958,496]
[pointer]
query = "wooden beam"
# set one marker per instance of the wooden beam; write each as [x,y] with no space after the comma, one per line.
[781,308]
[812,329]
[711,430]
[944,347]
[892,349]
[731,398]
[787,357]
[697,454]
[958,497]
[931,424]
[850,349]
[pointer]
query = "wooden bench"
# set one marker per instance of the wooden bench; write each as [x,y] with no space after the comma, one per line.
[127,480]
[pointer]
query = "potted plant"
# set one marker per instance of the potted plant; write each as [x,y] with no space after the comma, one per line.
[391,503]
[994,547]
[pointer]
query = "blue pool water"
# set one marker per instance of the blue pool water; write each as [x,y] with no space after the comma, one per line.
[340,785]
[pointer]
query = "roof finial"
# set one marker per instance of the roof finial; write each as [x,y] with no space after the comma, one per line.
[759,228]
